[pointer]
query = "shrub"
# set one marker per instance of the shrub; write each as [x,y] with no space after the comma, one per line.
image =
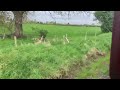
[43,33]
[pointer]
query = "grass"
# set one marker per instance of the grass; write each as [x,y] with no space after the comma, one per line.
[51,59]
[95,70]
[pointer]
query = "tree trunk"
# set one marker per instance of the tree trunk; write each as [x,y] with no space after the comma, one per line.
[18,15]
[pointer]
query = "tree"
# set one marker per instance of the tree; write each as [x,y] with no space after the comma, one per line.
[106,20]
[18,17]
[18,21]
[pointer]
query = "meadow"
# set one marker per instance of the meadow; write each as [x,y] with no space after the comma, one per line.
[53,58]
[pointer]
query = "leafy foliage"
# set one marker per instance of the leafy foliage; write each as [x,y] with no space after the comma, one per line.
[43,33]
[106,20]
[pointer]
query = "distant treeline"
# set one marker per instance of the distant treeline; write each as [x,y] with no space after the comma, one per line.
[54,23]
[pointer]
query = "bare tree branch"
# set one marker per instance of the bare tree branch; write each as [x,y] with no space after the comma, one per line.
[51,15]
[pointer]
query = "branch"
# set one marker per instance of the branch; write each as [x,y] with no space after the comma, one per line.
[51,15]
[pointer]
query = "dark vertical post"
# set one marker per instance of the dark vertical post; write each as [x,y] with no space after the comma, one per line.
[115,49]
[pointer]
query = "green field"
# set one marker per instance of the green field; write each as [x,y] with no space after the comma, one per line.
[52,59]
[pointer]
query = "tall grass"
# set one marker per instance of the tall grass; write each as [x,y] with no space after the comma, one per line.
[95,70]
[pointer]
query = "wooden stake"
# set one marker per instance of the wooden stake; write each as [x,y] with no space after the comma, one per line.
[86,36]
[4,36]
[15,40]
[3,33]
[66,38]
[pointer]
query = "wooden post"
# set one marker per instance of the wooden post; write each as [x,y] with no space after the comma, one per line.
[3,33]
[4,36]
[115,49]
[66,38]
[15,40]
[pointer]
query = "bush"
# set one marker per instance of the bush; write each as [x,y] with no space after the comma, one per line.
[43,33]
[106,20]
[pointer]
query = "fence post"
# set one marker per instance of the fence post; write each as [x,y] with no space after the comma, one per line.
[15,40]
[115,49]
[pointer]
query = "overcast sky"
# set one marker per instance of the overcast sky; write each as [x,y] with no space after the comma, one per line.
[74,19]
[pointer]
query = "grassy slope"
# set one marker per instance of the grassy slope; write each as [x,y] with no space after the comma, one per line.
[52,59]
[96,70]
